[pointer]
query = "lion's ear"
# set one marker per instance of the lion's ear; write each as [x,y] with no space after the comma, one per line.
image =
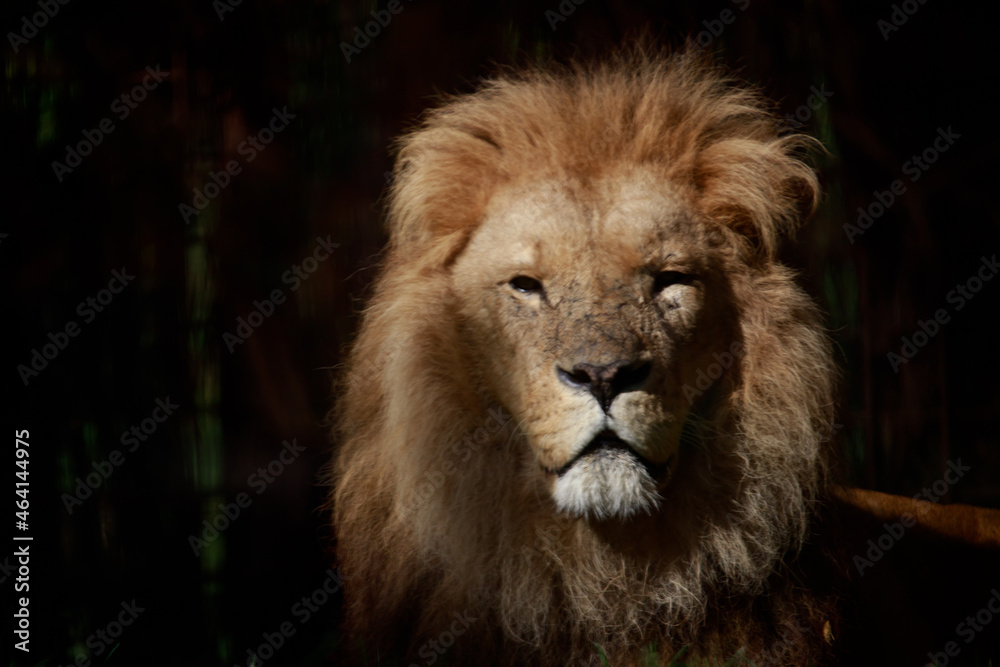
[442,181]
[759,187]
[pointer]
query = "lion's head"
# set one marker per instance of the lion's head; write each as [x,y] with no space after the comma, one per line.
[597,300]
[586,404]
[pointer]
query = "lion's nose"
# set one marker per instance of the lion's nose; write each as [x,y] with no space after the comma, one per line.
[606,381]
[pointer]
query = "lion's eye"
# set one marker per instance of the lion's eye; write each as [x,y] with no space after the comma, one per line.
[526,284]
[665,279]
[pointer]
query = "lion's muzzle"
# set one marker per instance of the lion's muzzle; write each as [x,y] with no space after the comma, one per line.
[608,479]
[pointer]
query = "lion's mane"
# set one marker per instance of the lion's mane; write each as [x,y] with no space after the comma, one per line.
[431,510]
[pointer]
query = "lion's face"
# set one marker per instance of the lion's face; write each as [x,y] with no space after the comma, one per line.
[599,303]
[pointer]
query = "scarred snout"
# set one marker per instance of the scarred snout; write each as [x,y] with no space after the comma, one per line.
[606,381]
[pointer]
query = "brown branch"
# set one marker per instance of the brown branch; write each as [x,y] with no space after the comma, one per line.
[974,526]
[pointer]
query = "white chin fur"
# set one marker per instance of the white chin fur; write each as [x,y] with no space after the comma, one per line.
[608,485]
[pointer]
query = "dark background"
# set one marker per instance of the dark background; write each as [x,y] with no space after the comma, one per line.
[324,176]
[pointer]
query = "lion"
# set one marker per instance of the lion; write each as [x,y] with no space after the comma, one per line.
[587,414]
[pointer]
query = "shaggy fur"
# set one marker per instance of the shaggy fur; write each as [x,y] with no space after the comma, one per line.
[443,492]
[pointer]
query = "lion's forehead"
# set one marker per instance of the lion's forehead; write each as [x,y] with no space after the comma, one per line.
[621,222]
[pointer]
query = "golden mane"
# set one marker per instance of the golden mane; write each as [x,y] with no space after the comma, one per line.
[430,510]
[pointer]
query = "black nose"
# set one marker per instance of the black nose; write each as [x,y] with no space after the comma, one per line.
[606,381]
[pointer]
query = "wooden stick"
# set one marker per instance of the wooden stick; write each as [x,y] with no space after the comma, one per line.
[976,526]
